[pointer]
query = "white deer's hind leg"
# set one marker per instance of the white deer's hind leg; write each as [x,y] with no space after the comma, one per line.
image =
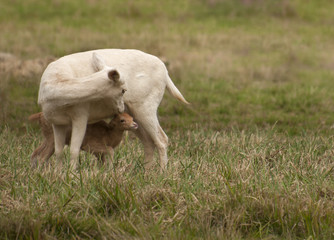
[140,117]
[160,142]
[159,139]
[148,147]
[162,147]
[152,136]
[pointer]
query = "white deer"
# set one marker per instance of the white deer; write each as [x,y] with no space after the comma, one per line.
[78,88]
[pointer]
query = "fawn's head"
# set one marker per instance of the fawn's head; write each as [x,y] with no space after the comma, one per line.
[124,121]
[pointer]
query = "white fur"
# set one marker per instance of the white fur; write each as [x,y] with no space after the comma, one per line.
[145,77]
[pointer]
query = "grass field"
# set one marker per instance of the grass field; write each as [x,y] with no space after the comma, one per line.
[250,158]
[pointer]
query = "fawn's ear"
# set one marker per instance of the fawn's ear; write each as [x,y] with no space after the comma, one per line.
[98,62]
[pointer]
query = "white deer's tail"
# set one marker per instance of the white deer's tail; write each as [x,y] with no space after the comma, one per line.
[174,91]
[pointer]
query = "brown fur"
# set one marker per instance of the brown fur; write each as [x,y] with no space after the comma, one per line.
[100,139]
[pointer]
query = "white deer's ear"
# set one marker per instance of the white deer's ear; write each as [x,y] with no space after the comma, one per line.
[114,75]
[98,62]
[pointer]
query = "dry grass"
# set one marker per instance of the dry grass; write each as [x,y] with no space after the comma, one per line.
[219,185]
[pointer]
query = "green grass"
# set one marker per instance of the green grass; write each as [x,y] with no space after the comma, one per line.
[250,158]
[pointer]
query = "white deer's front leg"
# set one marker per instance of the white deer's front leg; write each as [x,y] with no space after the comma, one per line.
[59,132]
[79,125]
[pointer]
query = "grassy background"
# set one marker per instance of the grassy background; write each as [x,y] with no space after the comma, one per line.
[250,158]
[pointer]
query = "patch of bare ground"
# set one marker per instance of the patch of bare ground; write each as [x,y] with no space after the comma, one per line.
[11,65]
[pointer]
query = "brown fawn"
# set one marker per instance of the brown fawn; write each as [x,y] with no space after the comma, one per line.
[100,139]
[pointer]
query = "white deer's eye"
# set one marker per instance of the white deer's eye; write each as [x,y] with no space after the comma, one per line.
[123,91]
